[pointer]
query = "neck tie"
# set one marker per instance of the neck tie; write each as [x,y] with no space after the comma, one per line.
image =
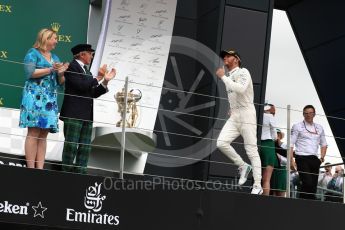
[87,71]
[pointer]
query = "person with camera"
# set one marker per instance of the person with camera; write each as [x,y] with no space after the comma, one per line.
[324,178]
[336,184]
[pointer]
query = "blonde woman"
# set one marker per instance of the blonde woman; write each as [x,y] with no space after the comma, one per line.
[38,111]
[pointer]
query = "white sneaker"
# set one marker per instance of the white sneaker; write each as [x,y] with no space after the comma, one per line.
[257,189]
[244,171]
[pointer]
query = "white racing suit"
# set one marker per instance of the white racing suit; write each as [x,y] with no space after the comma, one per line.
[242,120]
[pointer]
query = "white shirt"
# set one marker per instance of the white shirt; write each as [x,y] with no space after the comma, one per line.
[282,160]
[269,125]
[82,66]
[307,138]
[239,86]
[324,179]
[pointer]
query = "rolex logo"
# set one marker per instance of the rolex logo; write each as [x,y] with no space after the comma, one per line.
[6,8]
[61,37]
[1,101]
[3,54]
[55,27]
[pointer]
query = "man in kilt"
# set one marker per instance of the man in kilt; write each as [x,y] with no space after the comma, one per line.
[77,108]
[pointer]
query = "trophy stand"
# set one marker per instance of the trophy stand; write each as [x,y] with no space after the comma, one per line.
[127,147]
[123,137]
[126,102]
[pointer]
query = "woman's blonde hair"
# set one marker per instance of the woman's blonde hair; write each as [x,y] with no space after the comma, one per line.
[42,37]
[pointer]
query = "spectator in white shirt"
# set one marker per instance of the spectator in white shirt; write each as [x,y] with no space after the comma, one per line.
[268,154]
[336,184]
[324,178]
[307,136]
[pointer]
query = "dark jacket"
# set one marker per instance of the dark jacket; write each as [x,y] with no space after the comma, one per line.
[84,88]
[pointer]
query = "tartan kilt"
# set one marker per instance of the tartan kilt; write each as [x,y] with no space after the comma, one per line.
[77,146]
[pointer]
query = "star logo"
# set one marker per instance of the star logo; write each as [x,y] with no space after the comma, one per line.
[39,210]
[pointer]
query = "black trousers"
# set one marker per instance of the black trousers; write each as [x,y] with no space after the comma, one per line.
[308,169]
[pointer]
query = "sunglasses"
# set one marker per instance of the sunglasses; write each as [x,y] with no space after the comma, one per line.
[310,113]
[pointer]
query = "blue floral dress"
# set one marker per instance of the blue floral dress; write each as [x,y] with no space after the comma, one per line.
[39,106]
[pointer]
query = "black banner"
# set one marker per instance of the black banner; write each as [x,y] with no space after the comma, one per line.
[49,199]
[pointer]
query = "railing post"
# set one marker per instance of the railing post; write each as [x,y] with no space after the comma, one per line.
[123,136]
[288,164]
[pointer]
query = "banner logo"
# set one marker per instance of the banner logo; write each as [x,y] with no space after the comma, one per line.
[55,26]
[22,210]
[61,37]
[3,54]
[7,207]
[6,8]
[39,210]
[93,202]
[93,198]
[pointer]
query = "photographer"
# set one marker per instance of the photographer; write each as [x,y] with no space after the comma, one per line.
[336,184]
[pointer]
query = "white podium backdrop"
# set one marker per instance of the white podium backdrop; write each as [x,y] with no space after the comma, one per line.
[135,39]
